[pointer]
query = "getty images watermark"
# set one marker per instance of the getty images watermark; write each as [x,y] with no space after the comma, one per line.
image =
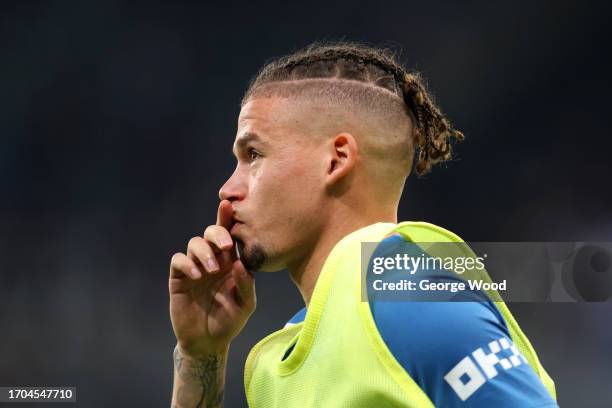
[478,271]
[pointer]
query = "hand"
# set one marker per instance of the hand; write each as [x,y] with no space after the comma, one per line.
[212,295]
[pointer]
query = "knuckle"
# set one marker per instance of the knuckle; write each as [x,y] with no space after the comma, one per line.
[193,242]
[174,261]
[211,231]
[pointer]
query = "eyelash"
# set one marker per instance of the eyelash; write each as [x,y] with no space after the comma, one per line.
[250,153]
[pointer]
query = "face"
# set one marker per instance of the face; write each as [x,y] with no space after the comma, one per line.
[277,189]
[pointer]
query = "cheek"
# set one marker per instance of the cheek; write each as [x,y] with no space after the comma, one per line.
[300,178]
[286,188]
[302,194]
[286,198]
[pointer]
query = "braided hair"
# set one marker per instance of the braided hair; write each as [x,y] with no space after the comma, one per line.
[433,132]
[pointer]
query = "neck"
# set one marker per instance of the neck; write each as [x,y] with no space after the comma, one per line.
[305,272]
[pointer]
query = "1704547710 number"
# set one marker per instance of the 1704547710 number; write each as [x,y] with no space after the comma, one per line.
[37,394]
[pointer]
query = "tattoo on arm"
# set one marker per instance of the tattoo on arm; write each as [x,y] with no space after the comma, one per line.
[205,375]
[206,370]
[178,359]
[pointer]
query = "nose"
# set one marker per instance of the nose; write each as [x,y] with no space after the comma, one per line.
[234,188]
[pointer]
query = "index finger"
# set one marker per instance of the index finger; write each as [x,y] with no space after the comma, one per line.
[224,214]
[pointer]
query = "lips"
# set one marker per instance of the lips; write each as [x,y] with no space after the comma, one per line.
[236,227]
[236,223]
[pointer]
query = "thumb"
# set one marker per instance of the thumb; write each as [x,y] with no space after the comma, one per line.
[245,285]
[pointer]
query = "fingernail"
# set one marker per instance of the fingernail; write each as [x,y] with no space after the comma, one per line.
[212,265]
[196,273]
[226,242]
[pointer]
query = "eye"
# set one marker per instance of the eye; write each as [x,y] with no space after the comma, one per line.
[253,154]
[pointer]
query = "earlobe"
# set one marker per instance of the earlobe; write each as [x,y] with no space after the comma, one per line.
[344,151]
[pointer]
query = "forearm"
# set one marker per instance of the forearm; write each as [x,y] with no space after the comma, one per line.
[198,382]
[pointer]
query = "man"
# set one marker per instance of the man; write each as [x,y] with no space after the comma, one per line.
[325,141]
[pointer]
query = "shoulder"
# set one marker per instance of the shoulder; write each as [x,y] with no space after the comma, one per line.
[459,352]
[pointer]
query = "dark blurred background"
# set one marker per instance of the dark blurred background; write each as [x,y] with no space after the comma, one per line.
[117,120]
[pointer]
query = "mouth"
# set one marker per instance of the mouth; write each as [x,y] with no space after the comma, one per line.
[236,227]
[236,223]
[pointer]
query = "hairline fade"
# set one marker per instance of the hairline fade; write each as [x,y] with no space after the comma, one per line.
[379,116]
[344,92]
[378,68]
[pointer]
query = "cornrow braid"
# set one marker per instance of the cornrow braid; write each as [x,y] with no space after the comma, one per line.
[433,133]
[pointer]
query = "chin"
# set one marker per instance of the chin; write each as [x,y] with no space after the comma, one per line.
[252,256]
[256,258]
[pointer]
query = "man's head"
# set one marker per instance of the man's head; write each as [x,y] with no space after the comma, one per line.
[327,132]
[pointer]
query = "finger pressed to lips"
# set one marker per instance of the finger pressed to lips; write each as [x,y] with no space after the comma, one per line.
[224,213]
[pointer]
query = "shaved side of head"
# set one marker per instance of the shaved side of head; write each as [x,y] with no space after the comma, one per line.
[378,119]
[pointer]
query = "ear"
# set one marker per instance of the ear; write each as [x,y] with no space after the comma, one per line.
[343,157]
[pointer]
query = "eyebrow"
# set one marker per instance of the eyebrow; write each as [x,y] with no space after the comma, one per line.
[244,140]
